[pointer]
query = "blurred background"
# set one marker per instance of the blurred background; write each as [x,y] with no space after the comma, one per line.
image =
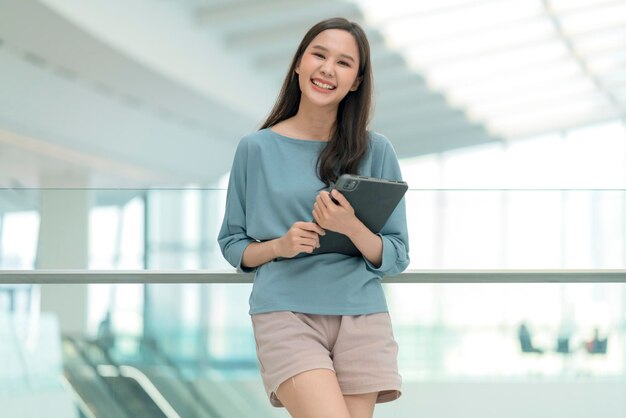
[118,125]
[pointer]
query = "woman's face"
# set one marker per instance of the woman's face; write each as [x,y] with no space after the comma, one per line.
[329,68]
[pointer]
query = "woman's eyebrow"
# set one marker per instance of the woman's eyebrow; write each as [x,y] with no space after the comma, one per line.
[323,48]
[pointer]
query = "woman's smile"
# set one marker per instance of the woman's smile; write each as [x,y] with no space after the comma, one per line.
[322,85]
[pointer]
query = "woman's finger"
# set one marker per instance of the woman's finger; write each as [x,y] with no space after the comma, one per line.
[316,216]
[307,236]
[326,200]
[320,200]
[341,199]
[321,209]
[313,227]
[311,242]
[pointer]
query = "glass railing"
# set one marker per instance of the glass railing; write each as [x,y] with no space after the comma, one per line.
[176,229]
[450,335]
[482,263]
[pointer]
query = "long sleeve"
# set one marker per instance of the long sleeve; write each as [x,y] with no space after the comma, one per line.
[273,183]
[233,238]
[395,237]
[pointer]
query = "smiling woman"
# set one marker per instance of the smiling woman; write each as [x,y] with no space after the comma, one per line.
[324,338]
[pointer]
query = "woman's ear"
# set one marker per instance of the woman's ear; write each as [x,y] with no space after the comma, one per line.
[297,69]
[356,84]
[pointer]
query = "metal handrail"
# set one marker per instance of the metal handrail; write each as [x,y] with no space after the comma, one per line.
[144,382]
[231,276]
[153,345]
[87,361]
[115,369]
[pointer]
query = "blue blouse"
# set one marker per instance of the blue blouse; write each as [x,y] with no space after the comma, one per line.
[273,184]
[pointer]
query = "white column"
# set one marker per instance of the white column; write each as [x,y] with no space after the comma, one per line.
[64,244]
[165,231]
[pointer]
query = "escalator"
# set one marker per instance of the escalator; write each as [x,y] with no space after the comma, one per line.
[169,379]
[112,390]
[95,396]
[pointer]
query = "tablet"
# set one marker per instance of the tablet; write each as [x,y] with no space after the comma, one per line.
[373,199]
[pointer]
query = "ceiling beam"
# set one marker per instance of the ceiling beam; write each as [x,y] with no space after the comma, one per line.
[408,144]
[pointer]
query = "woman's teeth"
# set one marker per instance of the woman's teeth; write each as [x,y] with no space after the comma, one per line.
[322,85]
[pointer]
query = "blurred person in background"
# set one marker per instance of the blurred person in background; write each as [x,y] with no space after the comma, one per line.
[525,340]
[564,337]
[596,345]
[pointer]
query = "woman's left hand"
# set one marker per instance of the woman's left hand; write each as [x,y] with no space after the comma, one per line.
[334,217]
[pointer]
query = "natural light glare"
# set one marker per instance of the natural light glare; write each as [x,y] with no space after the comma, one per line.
[604,40]
[128,309]
[376,10]
[608,62]
[20,232]
[520,229]
[508,60]
[523,99]
[191,218]
[596,18]
[534,230]
[468,215]
[576,5]
[497,85]
[458,21]
[498,40]
[578,235]
[190,310]
[103,236]
[605,143]
[541,120]
[99,300]
[476,165]
[131,242]
[536,163]
[500,61]
[611,249]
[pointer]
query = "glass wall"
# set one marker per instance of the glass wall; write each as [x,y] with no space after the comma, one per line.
[552,202]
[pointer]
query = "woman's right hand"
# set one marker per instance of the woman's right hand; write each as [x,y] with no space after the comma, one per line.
[302,237]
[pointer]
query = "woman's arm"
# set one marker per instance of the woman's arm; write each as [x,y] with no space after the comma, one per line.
[370,244]
[302,237]
[233,238]
[257,253]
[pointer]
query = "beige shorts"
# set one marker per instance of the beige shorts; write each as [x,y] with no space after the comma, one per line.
[360,349]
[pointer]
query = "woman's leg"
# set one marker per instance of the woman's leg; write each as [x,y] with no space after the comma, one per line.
[313,394]
[362,405]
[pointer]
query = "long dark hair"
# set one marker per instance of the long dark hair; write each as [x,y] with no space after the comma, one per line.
[349,139]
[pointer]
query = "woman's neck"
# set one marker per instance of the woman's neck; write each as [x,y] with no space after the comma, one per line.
[315,122]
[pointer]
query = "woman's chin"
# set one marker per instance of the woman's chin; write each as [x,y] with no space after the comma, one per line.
[320,100]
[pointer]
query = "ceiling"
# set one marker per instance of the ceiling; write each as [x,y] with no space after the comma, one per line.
[155,93]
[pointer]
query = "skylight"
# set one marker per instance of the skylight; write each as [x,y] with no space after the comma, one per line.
[518,67]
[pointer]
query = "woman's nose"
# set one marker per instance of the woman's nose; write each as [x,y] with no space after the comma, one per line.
[327,69]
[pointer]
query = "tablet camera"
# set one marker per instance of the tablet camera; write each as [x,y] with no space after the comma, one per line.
[351,185]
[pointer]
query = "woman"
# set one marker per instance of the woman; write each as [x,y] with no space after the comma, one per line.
[324,339]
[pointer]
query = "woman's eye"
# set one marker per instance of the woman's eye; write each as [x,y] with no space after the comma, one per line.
[317,54]
[344,63]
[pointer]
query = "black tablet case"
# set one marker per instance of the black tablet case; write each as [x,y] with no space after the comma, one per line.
[373,200]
